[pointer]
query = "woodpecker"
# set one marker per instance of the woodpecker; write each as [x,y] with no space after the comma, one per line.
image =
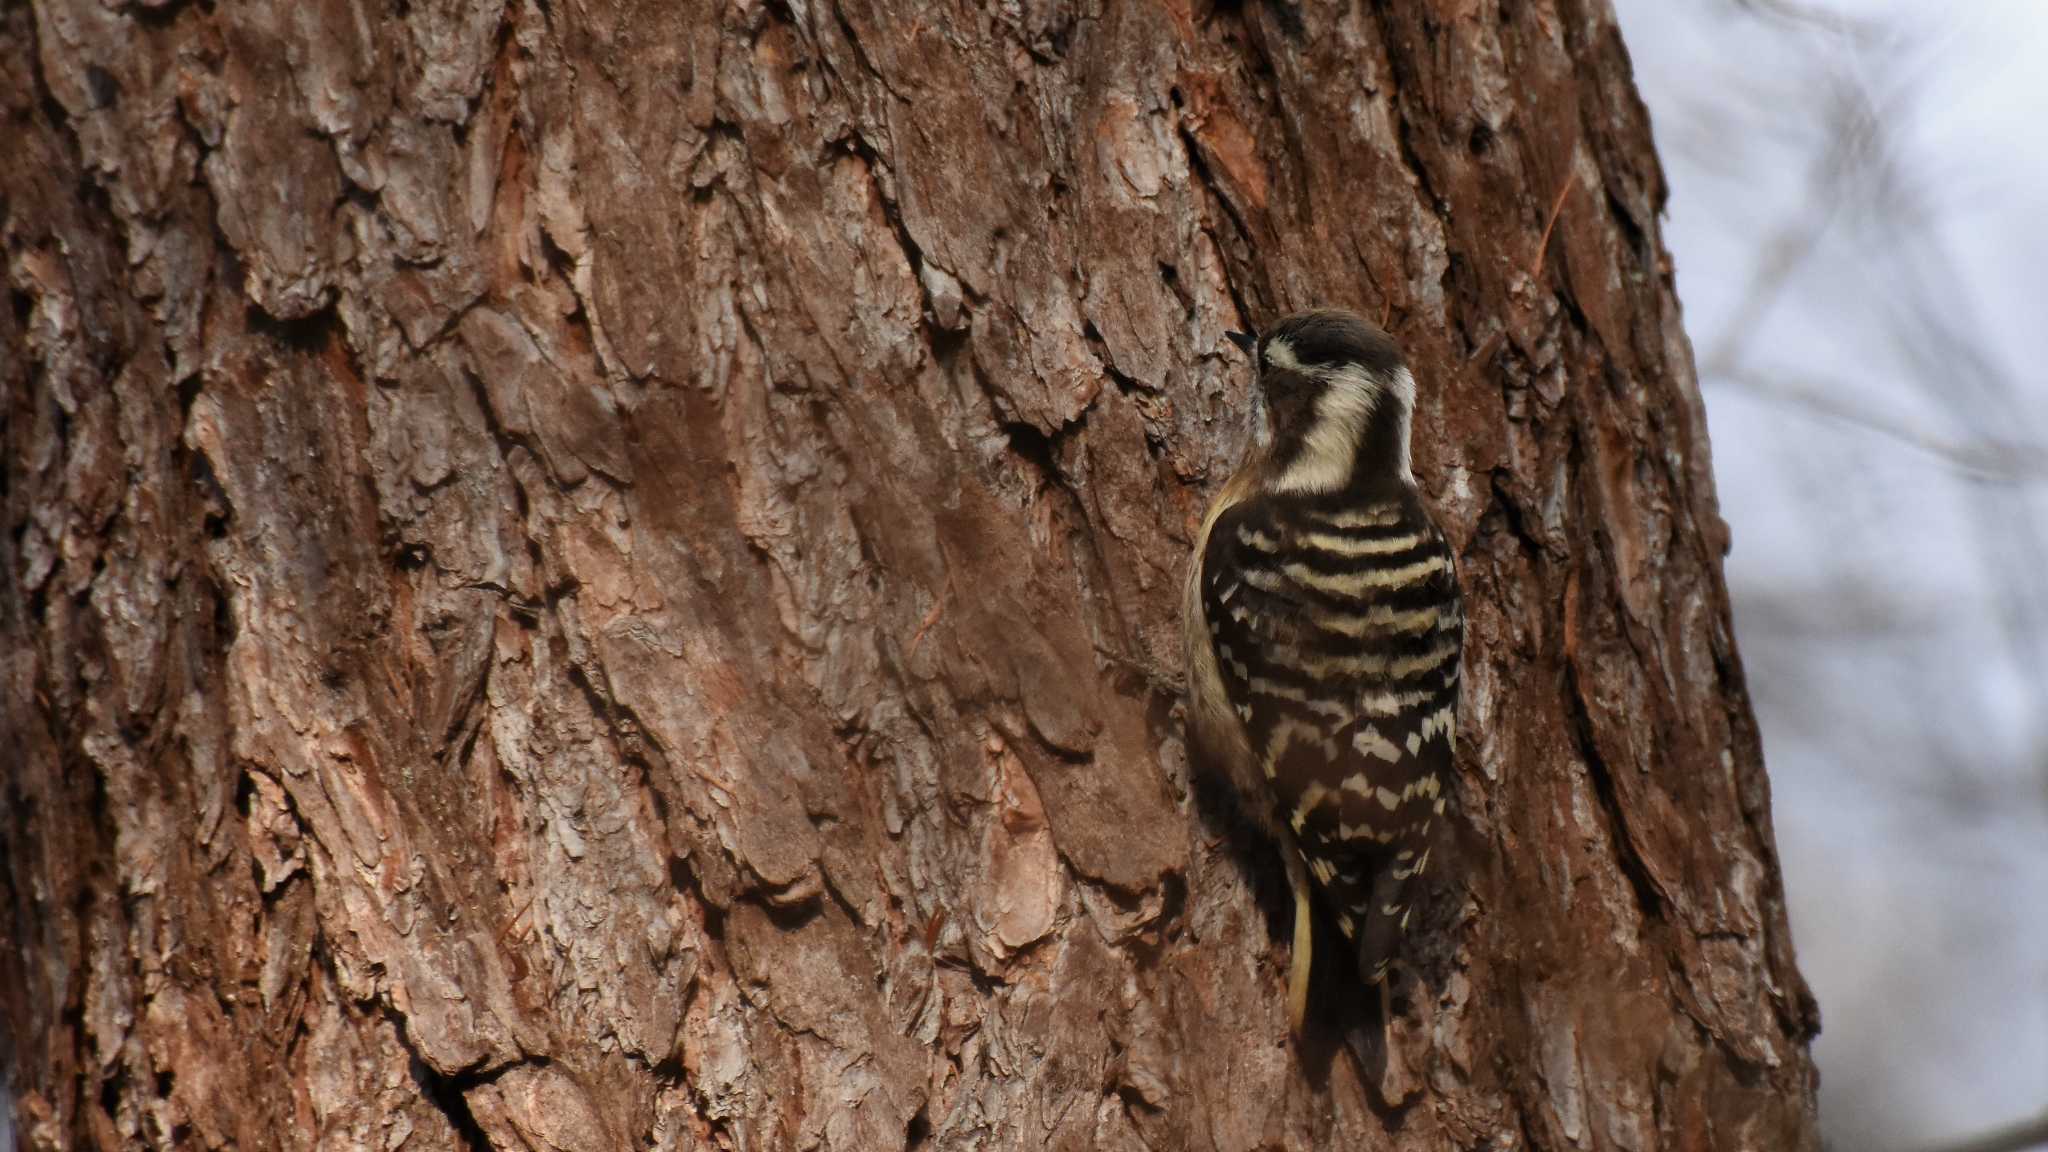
[1324,633]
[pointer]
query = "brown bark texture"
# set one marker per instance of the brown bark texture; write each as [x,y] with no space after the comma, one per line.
[584,574]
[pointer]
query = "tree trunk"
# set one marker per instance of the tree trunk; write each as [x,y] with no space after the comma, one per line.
[588,574]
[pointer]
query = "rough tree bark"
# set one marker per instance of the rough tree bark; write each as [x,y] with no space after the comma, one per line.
[588,574]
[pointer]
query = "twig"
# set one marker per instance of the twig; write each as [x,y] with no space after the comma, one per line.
[930,618]
[511,930]
[1557,207]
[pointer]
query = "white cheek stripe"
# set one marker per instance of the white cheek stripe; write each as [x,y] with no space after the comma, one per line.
[1330,449]
[1331,446]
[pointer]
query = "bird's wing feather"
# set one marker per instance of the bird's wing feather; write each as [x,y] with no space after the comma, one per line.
[1338,650]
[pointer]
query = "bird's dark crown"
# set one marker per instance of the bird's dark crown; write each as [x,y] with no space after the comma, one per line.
[1329,338]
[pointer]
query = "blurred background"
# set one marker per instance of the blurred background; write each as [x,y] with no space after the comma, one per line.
[1859,217]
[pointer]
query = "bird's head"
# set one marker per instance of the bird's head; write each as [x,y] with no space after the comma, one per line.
[1335,400]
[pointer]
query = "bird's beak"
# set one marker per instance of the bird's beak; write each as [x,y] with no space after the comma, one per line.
[1245,341]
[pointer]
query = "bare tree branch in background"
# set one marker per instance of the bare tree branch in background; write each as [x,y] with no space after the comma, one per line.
[1991,459]
[1834,22]
[2018,1138]
[1893,622]
[1858,166]
[1852,137]
[1860,183]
